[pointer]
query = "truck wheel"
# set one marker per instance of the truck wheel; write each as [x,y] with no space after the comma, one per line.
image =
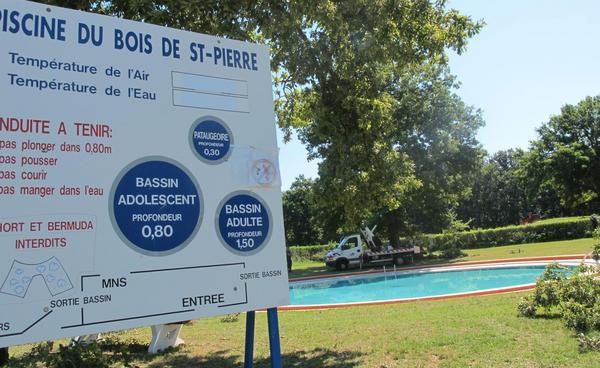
[398,261]
[341,265]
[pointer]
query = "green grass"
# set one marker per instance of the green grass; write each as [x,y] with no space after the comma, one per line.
[467,332]
[578,246]
[559,220]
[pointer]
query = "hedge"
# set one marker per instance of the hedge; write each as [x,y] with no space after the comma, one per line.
[509,235]
[314,253]
[575,228]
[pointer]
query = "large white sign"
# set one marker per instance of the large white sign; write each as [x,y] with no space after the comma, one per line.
[139,182]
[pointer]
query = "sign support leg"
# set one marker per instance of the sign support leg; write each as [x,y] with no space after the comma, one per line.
[249,355]
[274,341]
[3,356]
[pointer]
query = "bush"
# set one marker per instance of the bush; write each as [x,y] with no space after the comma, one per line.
[527,307]
[546,293]
[107,353]
[230,318]
[575,228]
[315,253]
[79,355]
[596,249]
[588,342]
[452,252]
[576,298]
[577,316]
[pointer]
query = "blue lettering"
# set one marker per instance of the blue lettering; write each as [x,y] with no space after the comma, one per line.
[26,18]
[197,50]
[148,44]
[254,62]
[234,58]
[217,54]
[85,34]
[118,39]
[14,18]
[246,60]
[170,48]
[134,42]
[32,25]
[229,58]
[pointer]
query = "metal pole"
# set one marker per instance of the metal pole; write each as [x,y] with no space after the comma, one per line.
[3,356]
[249,355]
[274,341]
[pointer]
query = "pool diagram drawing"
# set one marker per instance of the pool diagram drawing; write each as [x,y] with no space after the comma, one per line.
[22,275]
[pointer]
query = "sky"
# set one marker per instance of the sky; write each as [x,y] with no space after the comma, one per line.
[531,58]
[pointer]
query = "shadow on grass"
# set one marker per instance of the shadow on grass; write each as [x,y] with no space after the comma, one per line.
[547,315]
[317,358]
[130,353]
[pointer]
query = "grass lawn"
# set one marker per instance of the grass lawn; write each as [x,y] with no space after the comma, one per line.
[558,220]
[482,331]
[578,246]
[468,332]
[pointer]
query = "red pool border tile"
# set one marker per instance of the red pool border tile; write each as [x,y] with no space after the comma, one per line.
[441,297]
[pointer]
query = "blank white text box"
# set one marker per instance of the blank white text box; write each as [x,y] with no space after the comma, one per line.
[206,84]
[205,92]
[209,101]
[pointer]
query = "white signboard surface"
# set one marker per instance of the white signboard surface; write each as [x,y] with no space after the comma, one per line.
[139,181]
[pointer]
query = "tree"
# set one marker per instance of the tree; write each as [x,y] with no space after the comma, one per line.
[497,197]
[226,18]
[438,136]
[300,213]
[343,65]
[565,159]
[435,132]
[338,66]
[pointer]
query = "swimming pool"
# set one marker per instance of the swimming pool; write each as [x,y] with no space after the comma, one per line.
[408,285]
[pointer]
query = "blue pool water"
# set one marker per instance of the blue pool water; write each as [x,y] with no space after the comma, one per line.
[409,285]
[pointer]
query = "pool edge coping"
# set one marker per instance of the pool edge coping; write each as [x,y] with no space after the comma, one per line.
[509,289]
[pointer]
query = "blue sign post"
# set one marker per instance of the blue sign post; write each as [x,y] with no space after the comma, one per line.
[4,355]
[274,340]
[249,353]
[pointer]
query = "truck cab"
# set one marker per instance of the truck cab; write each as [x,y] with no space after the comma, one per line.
[347,253]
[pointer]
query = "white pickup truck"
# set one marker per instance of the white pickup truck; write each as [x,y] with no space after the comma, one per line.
[358,250]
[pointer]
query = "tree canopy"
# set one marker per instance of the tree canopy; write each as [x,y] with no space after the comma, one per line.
[438,136]
[566,158]
[342,68]
[343,73]
[365,85]
[497,196]
[300,213]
